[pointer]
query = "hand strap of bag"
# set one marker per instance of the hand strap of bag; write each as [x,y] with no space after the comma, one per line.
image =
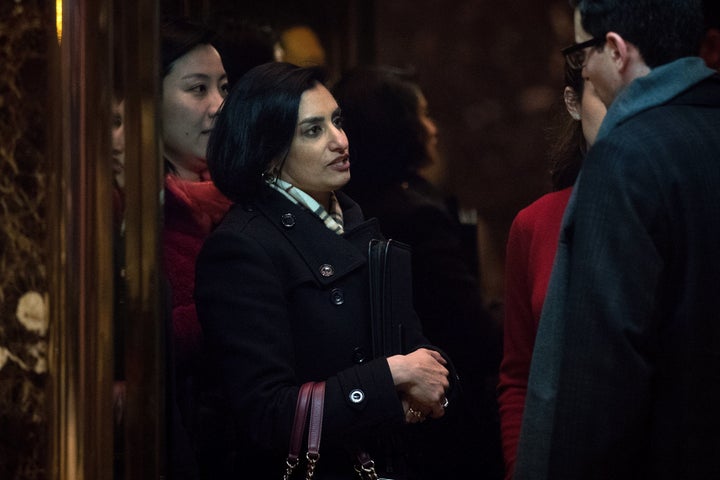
[296,435]
[317,403]
[365,467]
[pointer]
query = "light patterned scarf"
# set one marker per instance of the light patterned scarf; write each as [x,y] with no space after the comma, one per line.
[332,220]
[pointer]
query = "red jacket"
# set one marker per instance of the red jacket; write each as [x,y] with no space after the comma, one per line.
[531,248]
[192,210]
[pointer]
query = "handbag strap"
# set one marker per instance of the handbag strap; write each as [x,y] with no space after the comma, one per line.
[366,466]
[317,403]
[311,397]
[296,435]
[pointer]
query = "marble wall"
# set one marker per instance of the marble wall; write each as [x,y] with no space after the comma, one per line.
[23,251]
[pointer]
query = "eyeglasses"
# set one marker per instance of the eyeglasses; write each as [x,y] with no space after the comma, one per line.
[576,54]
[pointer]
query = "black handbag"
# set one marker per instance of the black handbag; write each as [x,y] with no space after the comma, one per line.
[390,273]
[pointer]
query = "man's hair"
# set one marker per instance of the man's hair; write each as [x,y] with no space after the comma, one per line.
[662,30]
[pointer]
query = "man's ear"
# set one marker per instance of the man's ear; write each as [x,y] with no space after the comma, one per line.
[618,50]
[572,103]
[626,57]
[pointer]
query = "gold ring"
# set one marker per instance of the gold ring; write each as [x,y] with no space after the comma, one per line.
[415,413]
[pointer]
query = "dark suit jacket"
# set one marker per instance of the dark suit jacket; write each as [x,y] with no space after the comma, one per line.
[633,374]
[284,300]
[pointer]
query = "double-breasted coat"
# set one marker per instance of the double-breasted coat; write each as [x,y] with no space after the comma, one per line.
[284,300]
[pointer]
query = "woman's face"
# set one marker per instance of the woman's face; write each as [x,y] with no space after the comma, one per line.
[430,128]
[192,93]
[318,161]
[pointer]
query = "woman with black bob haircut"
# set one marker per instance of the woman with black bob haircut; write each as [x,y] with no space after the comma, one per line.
[256,127]
[283,289]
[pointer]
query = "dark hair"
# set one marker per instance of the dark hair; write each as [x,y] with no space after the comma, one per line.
[380,117]
[243,44]
[662,30]
[568,145]
[179,35]
[256,126]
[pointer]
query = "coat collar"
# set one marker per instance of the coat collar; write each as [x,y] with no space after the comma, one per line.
[662,84]
[328,255]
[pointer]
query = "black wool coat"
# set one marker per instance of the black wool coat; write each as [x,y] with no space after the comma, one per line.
[283,300]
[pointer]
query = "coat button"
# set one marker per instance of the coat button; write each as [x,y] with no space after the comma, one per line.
[327,270]
[358,355]
[288,220]
[357,396]
[337,296]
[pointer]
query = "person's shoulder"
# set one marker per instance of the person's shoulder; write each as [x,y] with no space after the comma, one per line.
[550,204]
[238,216]
[243,229]
[243,223]
[539,222]
[704,93]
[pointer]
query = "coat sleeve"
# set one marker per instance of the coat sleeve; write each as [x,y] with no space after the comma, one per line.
[246,324]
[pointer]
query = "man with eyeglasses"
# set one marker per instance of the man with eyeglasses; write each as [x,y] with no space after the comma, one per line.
[625,376]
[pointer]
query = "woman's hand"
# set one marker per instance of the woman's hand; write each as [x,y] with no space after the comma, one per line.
[421,378]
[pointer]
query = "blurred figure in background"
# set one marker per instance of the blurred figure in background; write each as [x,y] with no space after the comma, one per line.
[243,44]
[392,138]
[531,247]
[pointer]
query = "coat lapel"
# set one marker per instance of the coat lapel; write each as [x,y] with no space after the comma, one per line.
[329,256]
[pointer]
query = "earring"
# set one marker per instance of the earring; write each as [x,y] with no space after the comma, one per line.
[576,116]
[268,177]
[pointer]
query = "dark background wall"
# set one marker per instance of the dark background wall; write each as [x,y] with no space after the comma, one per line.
[492,74]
